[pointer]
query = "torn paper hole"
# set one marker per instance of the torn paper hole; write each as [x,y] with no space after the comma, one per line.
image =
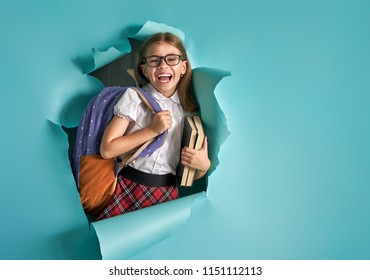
[125,235]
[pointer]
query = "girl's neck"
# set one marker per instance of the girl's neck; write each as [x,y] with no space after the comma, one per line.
[164,94]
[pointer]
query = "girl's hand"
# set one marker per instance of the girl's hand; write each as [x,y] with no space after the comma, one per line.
[197,159]
[161,122]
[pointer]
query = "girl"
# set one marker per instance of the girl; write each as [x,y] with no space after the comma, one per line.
[147,181]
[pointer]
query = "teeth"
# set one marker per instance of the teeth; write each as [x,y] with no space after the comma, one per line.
[164,75]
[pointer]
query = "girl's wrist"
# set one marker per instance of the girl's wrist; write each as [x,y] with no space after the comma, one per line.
[207,166]
[151,132]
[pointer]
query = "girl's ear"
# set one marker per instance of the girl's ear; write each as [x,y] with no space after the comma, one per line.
[184,67]
[144,70]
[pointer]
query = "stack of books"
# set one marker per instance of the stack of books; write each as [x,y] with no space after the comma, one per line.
[193,137]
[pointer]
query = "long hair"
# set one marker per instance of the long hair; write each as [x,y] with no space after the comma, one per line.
[184,85]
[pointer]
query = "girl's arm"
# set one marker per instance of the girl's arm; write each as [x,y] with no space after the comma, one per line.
[115,143]
[197,159]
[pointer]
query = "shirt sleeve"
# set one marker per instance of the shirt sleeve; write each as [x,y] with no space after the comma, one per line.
[126,106]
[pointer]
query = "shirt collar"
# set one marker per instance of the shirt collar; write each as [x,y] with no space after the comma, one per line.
[158,96]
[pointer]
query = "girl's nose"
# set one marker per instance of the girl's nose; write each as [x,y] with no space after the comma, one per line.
[163,63]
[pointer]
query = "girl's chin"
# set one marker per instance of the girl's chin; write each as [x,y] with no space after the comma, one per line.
[165,89]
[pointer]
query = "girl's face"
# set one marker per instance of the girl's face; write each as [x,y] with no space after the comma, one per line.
[164,77]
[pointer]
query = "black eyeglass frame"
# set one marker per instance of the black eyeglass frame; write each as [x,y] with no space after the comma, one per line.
[180,58]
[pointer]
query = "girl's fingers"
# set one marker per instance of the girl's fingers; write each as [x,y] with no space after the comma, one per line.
[196,158]
[162,121]
[205,144]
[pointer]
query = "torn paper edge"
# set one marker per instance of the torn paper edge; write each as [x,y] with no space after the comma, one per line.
[123,236]
[106,57]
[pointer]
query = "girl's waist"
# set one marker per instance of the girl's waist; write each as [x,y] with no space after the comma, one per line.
[147,179]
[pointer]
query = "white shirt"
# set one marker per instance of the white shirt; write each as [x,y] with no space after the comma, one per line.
[166,158]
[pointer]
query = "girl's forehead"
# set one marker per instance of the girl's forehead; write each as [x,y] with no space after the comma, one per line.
[161,48]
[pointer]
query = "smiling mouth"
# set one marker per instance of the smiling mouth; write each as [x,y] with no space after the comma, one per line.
[164,78]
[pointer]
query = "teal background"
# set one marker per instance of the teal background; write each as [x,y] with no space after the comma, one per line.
[293,179]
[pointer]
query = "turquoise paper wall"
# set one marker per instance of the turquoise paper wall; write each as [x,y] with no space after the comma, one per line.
[293,179]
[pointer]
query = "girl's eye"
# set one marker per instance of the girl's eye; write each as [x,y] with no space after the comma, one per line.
[154,60]
[171,59]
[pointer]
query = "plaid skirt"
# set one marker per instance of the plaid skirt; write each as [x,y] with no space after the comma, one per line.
[130,196]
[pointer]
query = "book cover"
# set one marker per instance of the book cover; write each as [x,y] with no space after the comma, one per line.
[198,145]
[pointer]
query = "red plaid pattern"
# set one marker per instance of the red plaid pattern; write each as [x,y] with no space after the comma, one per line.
[130,196]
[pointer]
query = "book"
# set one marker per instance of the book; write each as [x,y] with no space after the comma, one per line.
[193,137]
[198,145]
[188,139]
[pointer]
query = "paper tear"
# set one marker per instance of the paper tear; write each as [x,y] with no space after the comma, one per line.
[205,81]
[114,72]
[123,236]
[102,58]
[150,28]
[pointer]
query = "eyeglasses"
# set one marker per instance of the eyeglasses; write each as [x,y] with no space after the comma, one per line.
[170,59]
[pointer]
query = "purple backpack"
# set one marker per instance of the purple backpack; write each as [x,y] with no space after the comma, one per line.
[96,177]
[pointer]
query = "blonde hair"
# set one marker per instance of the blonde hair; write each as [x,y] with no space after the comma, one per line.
[184,85]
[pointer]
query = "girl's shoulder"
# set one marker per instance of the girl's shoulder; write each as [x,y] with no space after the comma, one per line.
[129,105]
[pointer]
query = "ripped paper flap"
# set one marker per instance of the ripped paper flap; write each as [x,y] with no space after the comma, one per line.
[122,236]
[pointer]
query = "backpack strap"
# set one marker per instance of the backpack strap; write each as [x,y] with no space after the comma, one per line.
[152,144]
[148,99]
